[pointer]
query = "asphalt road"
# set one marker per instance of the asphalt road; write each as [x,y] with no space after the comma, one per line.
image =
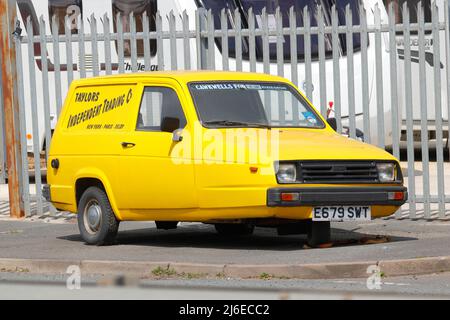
[200,243]
[29,286]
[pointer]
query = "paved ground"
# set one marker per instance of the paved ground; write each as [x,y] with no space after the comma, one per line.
[28,286]
[200,243]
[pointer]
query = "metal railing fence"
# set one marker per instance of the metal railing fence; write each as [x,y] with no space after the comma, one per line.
[366,74]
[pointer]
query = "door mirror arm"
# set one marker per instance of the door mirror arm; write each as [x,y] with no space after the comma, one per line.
[177,135]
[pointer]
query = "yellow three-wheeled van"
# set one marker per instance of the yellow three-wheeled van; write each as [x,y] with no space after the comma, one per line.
[236,150]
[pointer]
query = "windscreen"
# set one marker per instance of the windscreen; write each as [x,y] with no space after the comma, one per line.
[314,7]
[252,104]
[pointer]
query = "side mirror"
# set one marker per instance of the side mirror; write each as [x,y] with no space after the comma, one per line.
[332,122]
[177,135]
[169,124]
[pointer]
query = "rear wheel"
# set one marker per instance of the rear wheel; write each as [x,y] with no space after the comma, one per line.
[96,220]
[234,229]
[319,233]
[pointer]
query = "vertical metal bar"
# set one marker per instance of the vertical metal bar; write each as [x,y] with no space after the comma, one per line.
[393,78]
[107,44]
[45,85]
[173,41]
[265,40]
[224,28]
[146,40]
[159,42]
[447,63]
[120,43]
[56,59]
[350,72]
[365,73]
[423,113]
[252,40]
[35,120]
[280,64]
[308,85]
[211,44]
[438,109]
[409,114]
[186,41]
[322,69]
[336,68]
[266,58]
[280,42]
[379,79]
[2,134]
[294,60]
[11,106]
[133,43]
[25,189]
[69,57]
[94,45]
[81,49]
[394,94]
[238,39]
[200,26]
[293,44]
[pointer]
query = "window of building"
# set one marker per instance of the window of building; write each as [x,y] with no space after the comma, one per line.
[138,8]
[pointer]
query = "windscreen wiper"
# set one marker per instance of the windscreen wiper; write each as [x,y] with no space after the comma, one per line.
[230,123]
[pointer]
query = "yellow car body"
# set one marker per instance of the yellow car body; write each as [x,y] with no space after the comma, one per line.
[149,176]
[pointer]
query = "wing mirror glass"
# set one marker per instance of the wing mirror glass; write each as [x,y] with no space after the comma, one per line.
[332,122]
[169,124]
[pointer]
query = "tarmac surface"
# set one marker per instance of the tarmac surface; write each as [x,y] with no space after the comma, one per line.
[30,286]
[198,243]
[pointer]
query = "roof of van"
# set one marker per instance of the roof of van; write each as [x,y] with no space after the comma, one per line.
[188,76]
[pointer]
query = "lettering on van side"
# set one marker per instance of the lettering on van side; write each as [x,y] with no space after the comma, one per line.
[106,106]
[87,96]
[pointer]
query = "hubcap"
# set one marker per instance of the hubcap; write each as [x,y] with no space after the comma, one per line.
[92,216]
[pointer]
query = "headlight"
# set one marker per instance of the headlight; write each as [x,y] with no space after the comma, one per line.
[287,173]
[386,172]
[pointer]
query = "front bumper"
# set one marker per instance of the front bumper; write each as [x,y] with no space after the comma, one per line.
[324,196]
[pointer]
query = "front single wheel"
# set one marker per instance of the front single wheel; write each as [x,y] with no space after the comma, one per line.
[96,220]
[319,233]
[233,229]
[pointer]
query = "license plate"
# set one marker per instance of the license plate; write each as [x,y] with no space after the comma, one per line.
[341,213]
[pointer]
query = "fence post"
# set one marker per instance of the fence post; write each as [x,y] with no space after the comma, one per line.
[202,42]
[11,106]
[2,134]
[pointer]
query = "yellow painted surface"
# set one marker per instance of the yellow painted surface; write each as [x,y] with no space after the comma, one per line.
[159,179]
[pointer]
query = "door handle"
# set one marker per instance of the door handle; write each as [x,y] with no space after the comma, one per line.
[128,144]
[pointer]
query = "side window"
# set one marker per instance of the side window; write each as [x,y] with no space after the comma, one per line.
[157,103]
[138,8]
[63,8]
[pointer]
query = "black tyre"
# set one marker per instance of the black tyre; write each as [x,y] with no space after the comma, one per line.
[319,233]
[234,229]
[96,220]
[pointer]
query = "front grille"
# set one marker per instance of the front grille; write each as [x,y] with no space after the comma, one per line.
[337,172]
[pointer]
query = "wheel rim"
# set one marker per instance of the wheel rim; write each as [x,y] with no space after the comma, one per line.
[92,217]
